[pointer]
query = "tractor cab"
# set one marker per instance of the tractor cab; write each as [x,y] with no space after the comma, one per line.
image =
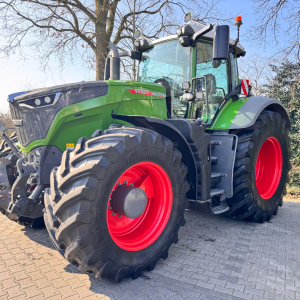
[174,62]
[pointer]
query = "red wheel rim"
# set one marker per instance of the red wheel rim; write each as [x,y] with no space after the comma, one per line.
[268,168]
[137,234]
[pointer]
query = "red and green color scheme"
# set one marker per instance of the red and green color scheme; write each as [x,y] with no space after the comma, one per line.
[111,165]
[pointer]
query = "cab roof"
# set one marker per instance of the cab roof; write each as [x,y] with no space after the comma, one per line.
[210,35]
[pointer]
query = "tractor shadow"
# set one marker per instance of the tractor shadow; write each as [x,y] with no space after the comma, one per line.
[204,238]
[39,235]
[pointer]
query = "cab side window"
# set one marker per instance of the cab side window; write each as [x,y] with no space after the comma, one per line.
[214,71]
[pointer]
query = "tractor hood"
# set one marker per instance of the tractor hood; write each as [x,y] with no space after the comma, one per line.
[34,112]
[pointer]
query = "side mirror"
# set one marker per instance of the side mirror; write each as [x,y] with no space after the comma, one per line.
[206,83]
[186,86]
[221,42]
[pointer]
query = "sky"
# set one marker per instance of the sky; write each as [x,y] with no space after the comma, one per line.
[17,75]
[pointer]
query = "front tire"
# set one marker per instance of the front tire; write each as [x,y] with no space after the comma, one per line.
[94,237]
[261,169]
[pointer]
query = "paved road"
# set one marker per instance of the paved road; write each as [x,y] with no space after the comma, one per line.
[215,258]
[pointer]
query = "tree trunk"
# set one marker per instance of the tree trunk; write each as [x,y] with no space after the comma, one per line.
[101,37]
[101,54]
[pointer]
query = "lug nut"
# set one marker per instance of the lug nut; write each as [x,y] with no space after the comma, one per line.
[119,216]
[113,214]
[109,207]
[131,184]
[125,181]
[118,183]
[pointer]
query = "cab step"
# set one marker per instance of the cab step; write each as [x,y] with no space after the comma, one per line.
[214,160]
[217,174]
[219,209]
[216,192]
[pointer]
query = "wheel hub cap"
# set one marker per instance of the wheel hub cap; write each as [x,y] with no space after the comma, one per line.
[144,192]
[128,201]
[268,168]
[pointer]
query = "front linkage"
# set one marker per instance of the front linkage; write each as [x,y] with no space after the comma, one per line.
[23,179]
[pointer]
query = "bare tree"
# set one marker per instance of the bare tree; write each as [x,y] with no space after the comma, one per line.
[67,28]
[279,22]
[257,69]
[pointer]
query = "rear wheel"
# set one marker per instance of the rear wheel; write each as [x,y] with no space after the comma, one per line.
[261,169]
[118,201]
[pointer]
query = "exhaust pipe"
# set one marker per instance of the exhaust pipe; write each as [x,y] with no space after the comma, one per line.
[114,63]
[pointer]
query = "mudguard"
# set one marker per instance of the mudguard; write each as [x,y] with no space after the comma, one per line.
[171,132]
[250,110]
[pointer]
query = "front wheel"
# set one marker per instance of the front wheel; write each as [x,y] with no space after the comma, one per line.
[261,169]
[117,202]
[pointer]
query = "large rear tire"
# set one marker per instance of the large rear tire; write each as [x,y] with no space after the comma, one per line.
[261,169]
[88,230]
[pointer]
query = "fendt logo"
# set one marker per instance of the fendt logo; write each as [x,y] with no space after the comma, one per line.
[146,92]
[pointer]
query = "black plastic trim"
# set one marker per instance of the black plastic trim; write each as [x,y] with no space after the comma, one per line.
[171,132]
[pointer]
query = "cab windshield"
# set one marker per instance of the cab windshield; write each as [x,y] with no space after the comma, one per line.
[168,64]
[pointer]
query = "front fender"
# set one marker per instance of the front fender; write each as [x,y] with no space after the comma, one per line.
[251,109]
[171,132]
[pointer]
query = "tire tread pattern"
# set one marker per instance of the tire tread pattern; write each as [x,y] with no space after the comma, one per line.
[75,186]
[243,205]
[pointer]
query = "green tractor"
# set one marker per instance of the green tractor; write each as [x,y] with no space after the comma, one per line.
[112,165]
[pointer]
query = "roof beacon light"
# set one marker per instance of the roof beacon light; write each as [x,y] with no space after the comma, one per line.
[188,17]
[238,23]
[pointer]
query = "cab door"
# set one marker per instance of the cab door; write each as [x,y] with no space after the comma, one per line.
[217,73]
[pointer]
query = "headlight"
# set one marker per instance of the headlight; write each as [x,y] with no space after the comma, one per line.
[37,102]
[185,41]
[42,101]
[188,97]
[47,100]
[178,31]
[136,44]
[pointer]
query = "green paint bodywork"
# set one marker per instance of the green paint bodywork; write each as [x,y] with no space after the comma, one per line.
[96,113]
[227,113]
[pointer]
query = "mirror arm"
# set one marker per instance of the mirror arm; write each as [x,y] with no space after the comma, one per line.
[203,31]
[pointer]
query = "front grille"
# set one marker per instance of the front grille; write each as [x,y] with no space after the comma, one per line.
[36,122]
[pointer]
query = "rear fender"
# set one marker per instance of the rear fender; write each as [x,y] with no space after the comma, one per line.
[251,109]
[171,132]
